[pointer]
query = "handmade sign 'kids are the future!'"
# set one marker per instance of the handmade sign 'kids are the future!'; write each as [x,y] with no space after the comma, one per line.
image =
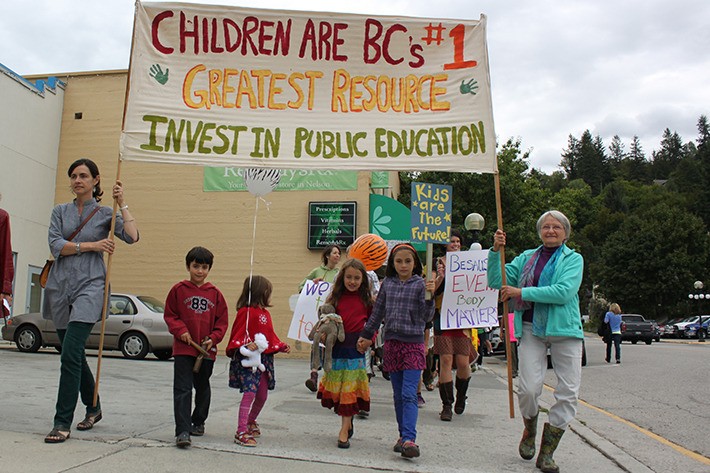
[216,85]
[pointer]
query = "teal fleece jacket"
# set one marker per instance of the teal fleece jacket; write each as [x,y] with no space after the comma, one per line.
[563,318]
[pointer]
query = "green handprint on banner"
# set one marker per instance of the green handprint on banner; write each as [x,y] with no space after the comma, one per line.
[156,72]
[469,87]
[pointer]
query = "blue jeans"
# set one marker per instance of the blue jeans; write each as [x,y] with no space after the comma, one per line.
[615,338]
[404,387]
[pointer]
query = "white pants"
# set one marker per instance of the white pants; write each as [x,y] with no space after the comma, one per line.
[566,355]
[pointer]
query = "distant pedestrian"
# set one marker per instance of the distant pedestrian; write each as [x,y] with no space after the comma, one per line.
[543,284]
[195,312]
[401,303]
[345,388]
[613,318]
[252,318]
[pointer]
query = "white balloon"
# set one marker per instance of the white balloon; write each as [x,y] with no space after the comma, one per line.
[261,181]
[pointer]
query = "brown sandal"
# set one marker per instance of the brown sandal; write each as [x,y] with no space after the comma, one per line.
[56,436]
[244,439]
[253,429]
[89,421]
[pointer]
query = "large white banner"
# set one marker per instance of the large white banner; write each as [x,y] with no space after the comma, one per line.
[217,85]
[468,302]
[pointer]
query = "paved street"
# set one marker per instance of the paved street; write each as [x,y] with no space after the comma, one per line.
[136,433]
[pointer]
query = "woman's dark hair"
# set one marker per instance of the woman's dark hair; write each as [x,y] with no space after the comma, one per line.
[326,253]
[255,293]
[199,255]
[339,284]
[455,233]
[94,170]
[392,272]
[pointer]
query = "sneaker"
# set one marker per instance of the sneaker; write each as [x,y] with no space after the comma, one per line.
[312,382]
[618,361]
[398,446]
[183,440]
[197,430]
[420,401]
[363,414]
[410,449]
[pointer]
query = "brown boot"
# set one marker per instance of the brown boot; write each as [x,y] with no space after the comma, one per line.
[526,449]
[550,440]
[461,388]
[446,392]
[312,382]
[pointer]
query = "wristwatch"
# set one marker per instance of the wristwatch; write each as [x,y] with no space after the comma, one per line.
[78,249]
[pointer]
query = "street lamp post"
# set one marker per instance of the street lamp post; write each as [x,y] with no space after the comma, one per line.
[474,223]
[699,296]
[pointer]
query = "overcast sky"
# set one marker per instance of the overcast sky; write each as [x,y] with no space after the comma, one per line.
[626,67]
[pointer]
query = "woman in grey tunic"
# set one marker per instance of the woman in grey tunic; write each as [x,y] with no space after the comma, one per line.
[74,295]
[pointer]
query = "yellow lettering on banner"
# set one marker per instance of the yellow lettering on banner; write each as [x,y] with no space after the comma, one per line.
[408,94]
[262,88]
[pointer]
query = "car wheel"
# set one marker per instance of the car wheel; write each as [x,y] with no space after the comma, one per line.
[163,355]
[134,346]
[702,335]
[634,342]
[28,339]
[648,341]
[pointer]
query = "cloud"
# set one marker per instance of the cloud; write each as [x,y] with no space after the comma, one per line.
[557,68]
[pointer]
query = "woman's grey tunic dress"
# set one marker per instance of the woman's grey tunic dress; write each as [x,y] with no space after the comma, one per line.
[75,287]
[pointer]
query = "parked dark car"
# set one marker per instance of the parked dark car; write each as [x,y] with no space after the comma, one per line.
[134,325]
[635,327]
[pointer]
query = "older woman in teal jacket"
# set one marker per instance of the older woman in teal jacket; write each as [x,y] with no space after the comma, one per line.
[542,284]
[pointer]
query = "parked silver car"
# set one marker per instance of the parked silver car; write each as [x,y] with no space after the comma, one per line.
[134,325]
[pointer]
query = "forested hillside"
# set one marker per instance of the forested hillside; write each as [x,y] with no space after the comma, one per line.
[640,220]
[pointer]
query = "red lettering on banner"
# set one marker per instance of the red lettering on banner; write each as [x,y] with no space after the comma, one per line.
[219,35]
[324,44]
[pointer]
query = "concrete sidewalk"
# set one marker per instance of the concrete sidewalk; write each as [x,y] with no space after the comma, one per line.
[136,433]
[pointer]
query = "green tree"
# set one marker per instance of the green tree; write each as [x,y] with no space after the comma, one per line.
[586,159]
[667,158]
[649,263]
[522,199]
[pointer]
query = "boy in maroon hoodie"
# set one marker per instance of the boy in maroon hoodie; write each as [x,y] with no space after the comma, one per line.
[195,311]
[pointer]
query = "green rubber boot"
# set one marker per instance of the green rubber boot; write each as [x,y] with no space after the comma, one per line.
[550,440]
[526,449]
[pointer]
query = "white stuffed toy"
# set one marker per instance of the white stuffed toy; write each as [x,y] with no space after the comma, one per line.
[252,359]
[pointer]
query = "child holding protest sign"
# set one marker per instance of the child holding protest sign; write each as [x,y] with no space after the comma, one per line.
[402,300]
[345,388]
[253,318]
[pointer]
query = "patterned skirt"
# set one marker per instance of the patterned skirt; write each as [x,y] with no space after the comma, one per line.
[346,388]
[400,356]
[247,380]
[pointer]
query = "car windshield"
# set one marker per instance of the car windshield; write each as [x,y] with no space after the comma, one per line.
[153,304]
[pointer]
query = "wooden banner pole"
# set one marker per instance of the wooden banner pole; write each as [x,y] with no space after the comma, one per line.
[506,327]
[113,224]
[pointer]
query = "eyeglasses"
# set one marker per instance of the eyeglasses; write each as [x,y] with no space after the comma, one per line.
[555,228]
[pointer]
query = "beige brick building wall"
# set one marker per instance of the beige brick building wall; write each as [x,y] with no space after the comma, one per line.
[174,214]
